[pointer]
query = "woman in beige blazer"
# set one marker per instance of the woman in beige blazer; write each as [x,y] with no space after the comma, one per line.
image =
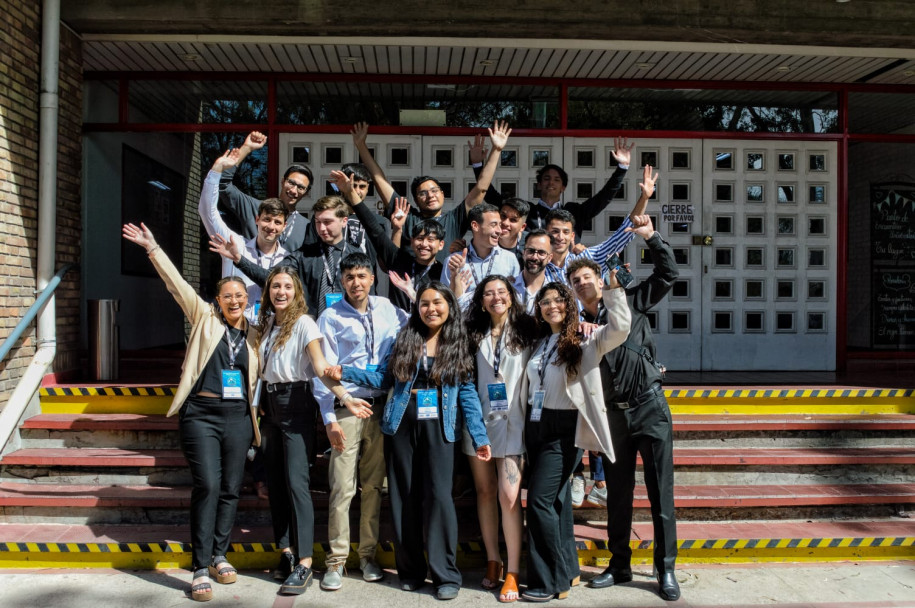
[566,413]
[215,404]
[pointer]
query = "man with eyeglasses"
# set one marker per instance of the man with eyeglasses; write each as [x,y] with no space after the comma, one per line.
[535,255]
[297,181]
[427,191]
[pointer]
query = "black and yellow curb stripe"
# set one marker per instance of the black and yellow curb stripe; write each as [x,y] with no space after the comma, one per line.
[791,393]
[470,554]
[108,391]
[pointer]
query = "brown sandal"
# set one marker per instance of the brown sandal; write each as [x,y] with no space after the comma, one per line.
[510,586]
[493,574]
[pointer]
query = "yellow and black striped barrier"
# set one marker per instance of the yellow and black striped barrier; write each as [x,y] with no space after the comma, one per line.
[166,554]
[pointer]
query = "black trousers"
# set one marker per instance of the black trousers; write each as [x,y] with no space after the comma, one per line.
[288,437]
[215,436]
[552,557]
[644,429]
[420,464]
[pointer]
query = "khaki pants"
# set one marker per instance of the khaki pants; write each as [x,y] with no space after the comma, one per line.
[364,433]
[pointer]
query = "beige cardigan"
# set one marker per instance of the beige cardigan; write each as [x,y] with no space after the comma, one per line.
[586,390]
[207,329]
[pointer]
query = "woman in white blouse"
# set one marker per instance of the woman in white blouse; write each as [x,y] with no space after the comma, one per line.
[291,356]
[566,414]
[501,334]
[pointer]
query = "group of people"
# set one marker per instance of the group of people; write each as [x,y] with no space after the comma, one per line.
[520,345]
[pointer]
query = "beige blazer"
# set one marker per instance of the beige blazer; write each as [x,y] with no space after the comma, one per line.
[207,329]
[586,390]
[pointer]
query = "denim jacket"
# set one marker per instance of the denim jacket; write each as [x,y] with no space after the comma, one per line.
[454,397]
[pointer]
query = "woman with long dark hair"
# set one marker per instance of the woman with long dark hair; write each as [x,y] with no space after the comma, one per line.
[431,369]
[566,414]
[291,356]
[214,402]
[501,334]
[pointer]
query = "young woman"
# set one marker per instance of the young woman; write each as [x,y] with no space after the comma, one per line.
[431,370]
[565,414]
[501,334]
[214,402]
[291,356]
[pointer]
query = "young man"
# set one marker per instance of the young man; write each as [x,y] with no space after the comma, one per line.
[561,227]
[536,255]
[359,331]
[484,256]
[426,241]
[297,181]
[638,415]
[513,212]
[427,192]
[264,249]
[317,267]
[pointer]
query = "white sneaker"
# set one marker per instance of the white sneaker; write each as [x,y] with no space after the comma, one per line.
[578,491]
[598,496]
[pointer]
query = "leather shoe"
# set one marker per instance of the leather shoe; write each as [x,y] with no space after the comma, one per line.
[670,588]
[611,576]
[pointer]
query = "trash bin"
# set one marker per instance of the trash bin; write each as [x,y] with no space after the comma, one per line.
[103,340]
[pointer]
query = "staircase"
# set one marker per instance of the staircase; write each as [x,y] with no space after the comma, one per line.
[762,475]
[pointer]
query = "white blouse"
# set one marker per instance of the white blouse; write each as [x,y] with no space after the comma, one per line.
[291,363]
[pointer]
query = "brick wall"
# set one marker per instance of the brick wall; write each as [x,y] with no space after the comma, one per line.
[20,35]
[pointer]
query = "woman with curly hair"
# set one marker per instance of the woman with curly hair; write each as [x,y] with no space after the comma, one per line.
[501,335]
[431,369]
[291,356]
[565,415]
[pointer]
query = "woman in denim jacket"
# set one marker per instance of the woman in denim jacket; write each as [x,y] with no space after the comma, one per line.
[431,370]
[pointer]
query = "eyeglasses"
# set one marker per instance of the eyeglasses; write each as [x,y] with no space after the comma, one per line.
[238,297]
[299,187]
[536,253]
[501,293]
[548,303]
[428,193]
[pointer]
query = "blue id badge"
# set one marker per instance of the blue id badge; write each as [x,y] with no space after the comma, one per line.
[498,397]
[332,298]
[231,384]
[537,407]
[427,404]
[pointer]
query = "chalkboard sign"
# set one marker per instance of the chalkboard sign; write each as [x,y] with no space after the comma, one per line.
[894,308]
[892,224]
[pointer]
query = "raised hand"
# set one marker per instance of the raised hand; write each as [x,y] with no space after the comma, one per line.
[648,181]
[622,150]
[456,261]
[404,284]
[577,248]
[477,149]
[228,249]
[359,133]
[641,225]
[229,159]
[255,141]
[498,135]
[141,235]
[343,182]
[401,210]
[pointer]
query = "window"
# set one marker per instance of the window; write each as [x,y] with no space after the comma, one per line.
[724,256]
[724,224]
[584,190]
[817,194]
[679,321]
[724,193]
[584,158]
[786,161]
[756,161]
[540,158]
[785,225]
[721,321]
[333,155]
[816,290]
[756,224]
[509,158]
[681,255]
[754,321]
[784,322]
[679,159]
[756,257]
[754,289]
[724,289]
[648,157]
[816,258]
[816,226]
[785,193]
[508,189]
[680,289]
[755,193]
[724,160]
[443,157]
[784,290]
[652,316]
[817,162]
[398,156]
[301,154]
[816,322]
[785,257]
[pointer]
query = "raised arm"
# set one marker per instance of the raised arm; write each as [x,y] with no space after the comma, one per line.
[382,186]
[374,230]
[498,135]
[647,185]
[588,209]
[653,289]
[242,206]
[209,196]
[477,157]
[619,319]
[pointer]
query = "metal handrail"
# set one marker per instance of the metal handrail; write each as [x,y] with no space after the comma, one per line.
[32,312]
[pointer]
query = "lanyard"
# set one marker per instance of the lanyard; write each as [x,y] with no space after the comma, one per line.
[369,324]
[268,344]
[497,352]
[417,279]
[426,362]
[492,260]
[271,259]
[235,345]
[541,368]
[290,222]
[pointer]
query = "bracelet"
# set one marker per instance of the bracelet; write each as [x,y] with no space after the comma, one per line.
[153,250]
[345,397]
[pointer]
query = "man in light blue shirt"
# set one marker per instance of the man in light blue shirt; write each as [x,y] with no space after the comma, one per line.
[484,256]
[359,331]
[561,228]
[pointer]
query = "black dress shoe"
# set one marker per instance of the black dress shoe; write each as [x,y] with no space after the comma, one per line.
[537,595]
[411,585]
[670,588]
[611,576]
[297,582]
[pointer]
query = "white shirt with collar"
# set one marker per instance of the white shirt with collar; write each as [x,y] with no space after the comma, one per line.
[527,298]
[499,261]
[347,341]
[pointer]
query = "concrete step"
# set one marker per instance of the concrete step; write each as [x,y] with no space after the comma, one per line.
[167,546]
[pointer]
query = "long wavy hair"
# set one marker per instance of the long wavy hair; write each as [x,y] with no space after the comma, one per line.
[294,310]
[453,363]
[520,328]
[569,350]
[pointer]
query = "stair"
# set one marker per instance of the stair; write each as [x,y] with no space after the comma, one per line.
[100,472]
